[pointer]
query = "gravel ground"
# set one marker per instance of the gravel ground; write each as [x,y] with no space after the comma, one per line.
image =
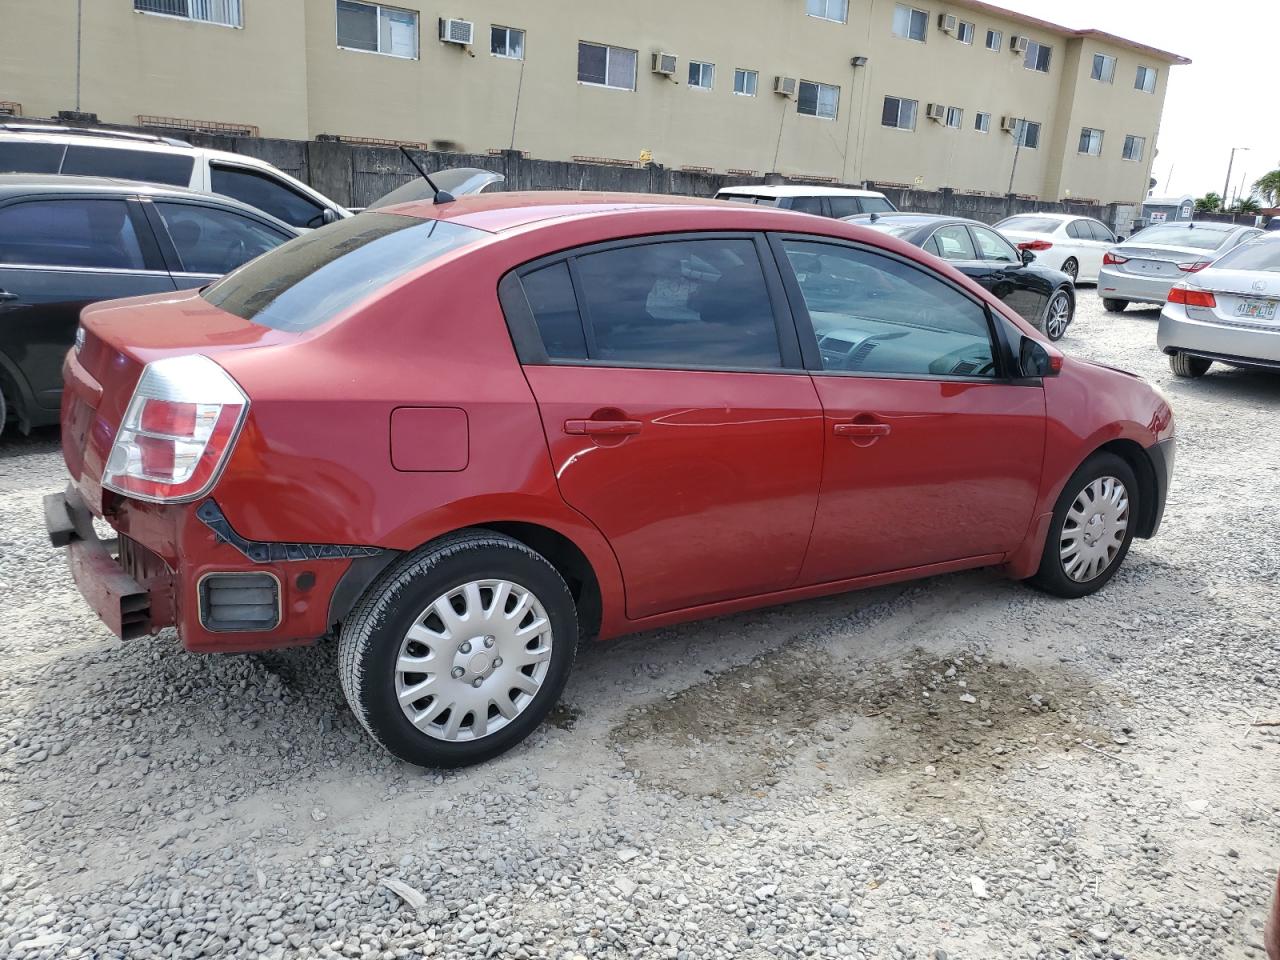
[954,768]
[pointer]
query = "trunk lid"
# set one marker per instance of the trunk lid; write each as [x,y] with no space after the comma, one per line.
[1248,298]
[1156,260]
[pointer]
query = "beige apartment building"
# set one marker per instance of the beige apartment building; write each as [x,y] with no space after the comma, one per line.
[927,93]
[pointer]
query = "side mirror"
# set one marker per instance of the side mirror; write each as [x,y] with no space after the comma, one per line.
[1028,256]
[1035,360]
[329,216]
[1120,239]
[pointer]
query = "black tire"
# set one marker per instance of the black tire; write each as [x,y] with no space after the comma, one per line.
[1055,328]
[1185,365]
[372,637]
[1052,576]
[1071,268]
[4,410]
[1112,305]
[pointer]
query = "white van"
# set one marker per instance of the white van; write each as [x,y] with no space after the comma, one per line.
[835,202]
[36,148]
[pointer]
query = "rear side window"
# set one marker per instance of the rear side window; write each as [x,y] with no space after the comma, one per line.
[555,310]
[1100,232]
[844,206]
[70,233]
[149,166]
[1079,230]
[210,240]
[17,156]
[267,194]
[314,278]
[807,204]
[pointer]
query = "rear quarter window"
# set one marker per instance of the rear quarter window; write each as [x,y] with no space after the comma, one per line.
[17,156]
[149,166]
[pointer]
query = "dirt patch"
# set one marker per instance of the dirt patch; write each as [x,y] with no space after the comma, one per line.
[925,719]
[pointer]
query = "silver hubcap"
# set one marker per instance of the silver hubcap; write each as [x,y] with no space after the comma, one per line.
[1095,529]
[1059,315]
[473,660]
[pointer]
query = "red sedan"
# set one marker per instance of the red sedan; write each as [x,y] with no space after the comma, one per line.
[462,435]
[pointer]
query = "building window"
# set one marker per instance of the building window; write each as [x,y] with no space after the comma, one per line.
[745,82]
[1146,80]
[818,100]
[377,29]
[603,66]
[982,123]
[224,12]
[995,40]
[1038,55]
[1028,134]
[899,113]
[837,10]
[1104,68]
[506,42]
[1133,147]
[1091,141]
[964,32]
[955,117]
[910,23]
[702,76]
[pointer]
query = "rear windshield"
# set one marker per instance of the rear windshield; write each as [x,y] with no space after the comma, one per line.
[312,279]
[1200,236]
[887,226]
[1260,255]
[1030,224]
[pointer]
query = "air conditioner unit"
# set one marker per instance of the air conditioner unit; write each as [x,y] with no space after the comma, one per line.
[1008,124]
[935,111]
[664,64]
[461,32]
[948,22]
[1018,44]
[785,86]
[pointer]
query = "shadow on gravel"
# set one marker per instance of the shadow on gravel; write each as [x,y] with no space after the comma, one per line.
[42,441]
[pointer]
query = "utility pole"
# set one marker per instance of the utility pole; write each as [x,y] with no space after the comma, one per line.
[1226,187]
[1018,133]
[79,21]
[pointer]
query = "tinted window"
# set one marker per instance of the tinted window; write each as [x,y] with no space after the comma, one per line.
[807,204]
[70,233]
[872,314]
[953,243]
[844,206]
[315,277]
[149,166]
[17,156]
[1264,256]
[1100,232]
[1078,230]
[992,246]
[876,205]
[555,309]
[209,240]
[267,194]
[688,302]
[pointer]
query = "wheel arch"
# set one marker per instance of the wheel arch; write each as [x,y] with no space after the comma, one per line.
[17,393]
[1132,453]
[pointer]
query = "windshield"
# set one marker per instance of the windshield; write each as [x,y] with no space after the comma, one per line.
[1261,255]
[1202,236]
[1030,224]
[312,279]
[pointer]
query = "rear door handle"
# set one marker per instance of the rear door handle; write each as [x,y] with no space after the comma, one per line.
[601,428]
[6,296]
[857,430]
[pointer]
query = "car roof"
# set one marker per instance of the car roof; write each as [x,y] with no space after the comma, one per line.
[910,219]
[795,190]
[1048,215]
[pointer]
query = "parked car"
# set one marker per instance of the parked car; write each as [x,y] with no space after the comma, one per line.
[838,202]
[1073,244]
[1045,297]
[464,434]
[1226,312]
[35,148]
[69,241]
[1144,267]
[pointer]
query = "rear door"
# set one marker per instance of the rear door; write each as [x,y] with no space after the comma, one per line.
[202,241]
[1102,240]
[1005,275]
[678,418]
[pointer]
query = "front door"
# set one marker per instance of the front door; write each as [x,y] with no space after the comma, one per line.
[676,414]
[932,454]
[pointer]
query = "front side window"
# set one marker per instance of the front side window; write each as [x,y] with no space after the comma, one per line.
[213,241]
[1091,142]
[312,279]
[878,316]
[1028,134]
[605,66]
[995,40]
[377,29]
[224,12]
[1037,57]
[955,117]
[1146,80]
[702,76]
[1104,68]
[70,232]
[506,42]
[899,113]
[992,246]
[952,243]
[910,23]
[149,166]
[837,10]
[818,100]
[982,123]
[267,194]
[745,82]
[1134,147]
[964,33]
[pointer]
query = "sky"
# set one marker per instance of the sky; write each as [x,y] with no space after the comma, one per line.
[1222,100]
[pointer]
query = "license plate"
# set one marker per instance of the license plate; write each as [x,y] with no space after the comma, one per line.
[1252,308]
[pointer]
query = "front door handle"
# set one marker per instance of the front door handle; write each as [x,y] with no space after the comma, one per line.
[6,296]
[601,428]
[860,431]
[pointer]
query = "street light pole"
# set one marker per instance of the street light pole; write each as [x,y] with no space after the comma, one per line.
[1226,187]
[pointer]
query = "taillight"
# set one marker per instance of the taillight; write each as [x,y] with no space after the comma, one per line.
[1114,258]
[1192,298]
[180,425]
[1035,245]
[1194,267]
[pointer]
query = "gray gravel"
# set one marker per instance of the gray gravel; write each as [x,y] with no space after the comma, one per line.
[959,768]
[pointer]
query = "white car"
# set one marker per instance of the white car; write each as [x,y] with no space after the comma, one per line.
[1073,244]
[835,202]
[36,148]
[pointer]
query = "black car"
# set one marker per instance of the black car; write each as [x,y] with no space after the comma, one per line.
[1044,297]
[69,241]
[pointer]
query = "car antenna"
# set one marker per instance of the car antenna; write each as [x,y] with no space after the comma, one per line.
[441,196]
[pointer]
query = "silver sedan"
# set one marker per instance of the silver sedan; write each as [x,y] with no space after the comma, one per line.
[1226,312]
[1144,267]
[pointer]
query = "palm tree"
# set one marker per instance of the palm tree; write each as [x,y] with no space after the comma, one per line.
[1268,187]
[1246,205]
[1209,203]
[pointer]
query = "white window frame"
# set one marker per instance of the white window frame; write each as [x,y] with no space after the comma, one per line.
[1129,141]
[202,11]
[821,86]
[609,49]
[1035,46]
[915,113]
[750,78]
[378,8]
[1108,72]
[972,32]
[998,37]
[1093,147]
[1020,135]
[1140,78]
[982,122]
[508,55]
[911,16]
[826,5]
[958,114]
[706,71]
